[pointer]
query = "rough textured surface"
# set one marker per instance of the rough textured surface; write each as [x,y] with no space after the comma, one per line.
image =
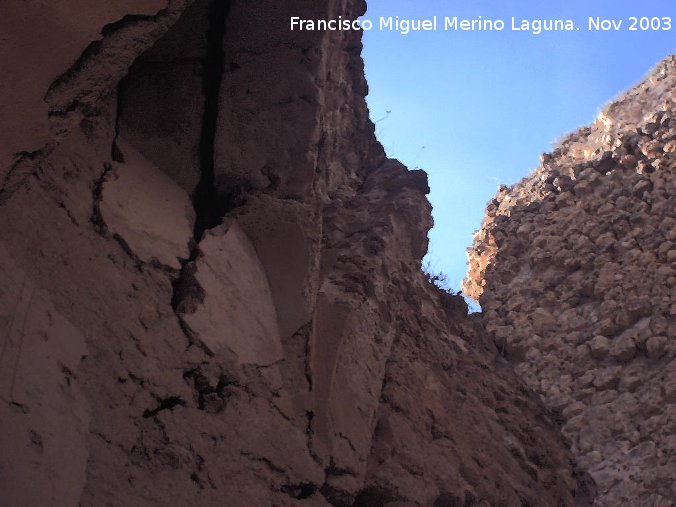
[574,267]
[277,344]
[40,41]
[231,305]
[40,352]
[155,226]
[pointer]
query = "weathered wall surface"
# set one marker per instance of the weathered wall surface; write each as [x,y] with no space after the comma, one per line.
[574,269]
[211,279]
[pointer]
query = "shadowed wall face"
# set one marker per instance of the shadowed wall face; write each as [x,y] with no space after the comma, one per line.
[221,271]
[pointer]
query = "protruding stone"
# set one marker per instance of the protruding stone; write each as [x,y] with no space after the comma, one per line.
[146,210]
[236,311]
[623,349]
[656,346]
[599,346]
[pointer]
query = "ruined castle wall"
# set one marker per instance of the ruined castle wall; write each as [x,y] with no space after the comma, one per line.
[574,268]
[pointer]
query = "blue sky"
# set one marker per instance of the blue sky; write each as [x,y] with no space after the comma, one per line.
[475,109]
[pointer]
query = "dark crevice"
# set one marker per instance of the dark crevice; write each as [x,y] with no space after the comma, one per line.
[336,497]
[193,341]
[336,471]
[379,497]
[164,404]
[210,204]
[210,207]
[211,399]
[305,333]
[309,434]
[18,172]
[97,218]
[300,491]
[196,479]
[116,154]
[265,461]
[128,250]
[188,294]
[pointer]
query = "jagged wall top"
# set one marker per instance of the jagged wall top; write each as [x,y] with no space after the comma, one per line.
[623,126]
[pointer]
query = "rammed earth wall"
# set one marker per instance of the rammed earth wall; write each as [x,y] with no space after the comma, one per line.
[212,291]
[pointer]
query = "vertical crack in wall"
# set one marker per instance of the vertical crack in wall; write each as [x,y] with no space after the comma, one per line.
[209,206]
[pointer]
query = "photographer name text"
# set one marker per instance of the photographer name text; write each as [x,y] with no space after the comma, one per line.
[404,26]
